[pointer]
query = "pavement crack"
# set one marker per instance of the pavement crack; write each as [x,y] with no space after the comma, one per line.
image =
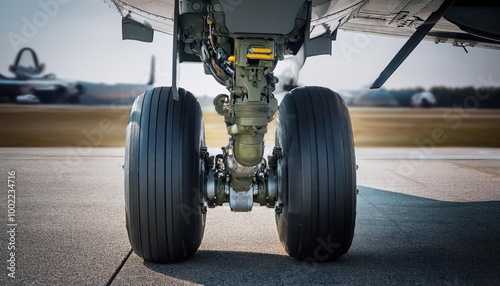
[408,178]
[117,270]
[394,222]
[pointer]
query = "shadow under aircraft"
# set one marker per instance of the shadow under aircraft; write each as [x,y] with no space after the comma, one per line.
[30,85]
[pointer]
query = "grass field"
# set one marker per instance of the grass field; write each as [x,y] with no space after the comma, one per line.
[91,126]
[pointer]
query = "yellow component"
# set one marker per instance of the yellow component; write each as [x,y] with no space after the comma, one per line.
[260,50]
[232,59]
[268,57]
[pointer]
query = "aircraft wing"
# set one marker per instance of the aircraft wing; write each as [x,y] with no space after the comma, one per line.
[466,23]
[463,23]
[157,13]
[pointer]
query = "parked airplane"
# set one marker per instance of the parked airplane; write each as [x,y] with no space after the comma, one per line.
[370,98]
[423,99]
[120,93]
[310,179]
[388,98]
[29,86]
[28,80]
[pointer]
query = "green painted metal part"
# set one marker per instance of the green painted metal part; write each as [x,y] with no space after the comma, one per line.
[253,103]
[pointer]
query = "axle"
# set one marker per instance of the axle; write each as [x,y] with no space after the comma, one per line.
[221,184]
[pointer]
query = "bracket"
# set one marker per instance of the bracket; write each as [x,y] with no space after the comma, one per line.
[412,43]
[175,53]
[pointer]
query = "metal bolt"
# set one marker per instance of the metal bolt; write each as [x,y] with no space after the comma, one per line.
[217,7]
[196,6]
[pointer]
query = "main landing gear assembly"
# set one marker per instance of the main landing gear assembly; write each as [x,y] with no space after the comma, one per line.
[309,178]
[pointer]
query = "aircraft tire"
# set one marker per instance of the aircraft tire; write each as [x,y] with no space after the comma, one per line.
[316,175]
[164,176]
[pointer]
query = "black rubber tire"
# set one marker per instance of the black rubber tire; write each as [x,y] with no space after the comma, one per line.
[316,175]
[164,176]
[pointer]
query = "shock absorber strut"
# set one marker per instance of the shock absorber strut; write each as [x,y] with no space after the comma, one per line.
[250,107]
[253,102]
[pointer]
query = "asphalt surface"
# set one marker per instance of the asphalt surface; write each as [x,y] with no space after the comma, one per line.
[431,221]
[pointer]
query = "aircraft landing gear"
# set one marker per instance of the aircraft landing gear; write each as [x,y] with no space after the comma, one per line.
[170,179]
[310,179]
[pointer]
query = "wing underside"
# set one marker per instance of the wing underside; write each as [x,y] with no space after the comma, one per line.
[157,13]
[467,23]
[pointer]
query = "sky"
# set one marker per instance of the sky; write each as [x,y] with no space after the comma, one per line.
[81,40]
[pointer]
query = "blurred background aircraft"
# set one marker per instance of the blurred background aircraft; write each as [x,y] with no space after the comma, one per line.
[389,98]
[30,85]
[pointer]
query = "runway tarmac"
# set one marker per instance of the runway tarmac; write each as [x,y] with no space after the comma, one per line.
[424,217]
